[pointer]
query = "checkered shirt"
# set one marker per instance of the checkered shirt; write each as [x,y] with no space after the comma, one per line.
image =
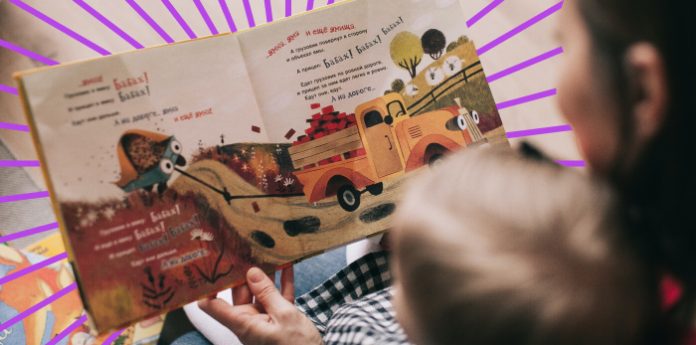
[354,306]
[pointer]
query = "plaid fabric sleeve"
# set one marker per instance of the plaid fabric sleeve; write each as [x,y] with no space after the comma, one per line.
[370,320]
[367,275]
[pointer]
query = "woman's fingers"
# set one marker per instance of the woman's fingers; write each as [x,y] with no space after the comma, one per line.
[224,313]
[241,295]
[247,309]
[287,284]
[265,292]
[244,321]
[251,323]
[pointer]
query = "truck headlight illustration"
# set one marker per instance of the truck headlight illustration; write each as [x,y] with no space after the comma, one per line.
[147,159]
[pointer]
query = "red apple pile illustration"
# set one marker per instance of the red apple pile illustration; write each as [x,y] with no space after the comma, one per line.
[326,122]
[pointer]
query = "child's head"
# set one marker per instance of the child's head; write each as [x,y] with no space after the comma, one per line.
[495,248]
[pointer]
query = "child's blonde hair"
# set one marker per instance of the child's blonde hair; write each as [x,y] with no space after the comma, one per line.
[495,248]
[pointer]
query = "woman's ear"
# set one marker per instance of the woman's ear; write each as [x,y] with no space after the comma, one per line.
[648,79]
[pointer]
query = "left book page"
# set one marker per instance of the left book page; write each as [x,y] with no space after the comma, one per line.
[120,140]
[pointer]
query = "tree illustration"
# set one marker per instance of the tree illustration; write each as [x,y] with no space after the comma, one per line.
[455,44]
[452,46]
[398,85]
[407,52]
[434,43]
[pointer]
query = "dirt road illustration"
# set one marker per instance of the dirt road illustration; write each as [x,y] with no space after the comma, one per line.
[287,228]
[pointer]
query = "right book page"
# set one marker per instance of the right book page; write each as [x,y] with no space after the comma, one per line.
[348,54]
[366,92]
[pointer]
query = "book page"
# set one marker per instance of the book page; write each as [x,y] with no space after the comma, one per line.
[120,138]
[342,56]
[197,91]
[367,93]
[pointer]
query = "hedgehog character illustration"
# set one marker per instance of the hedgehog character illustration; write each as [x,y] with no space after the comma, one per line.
[147,159]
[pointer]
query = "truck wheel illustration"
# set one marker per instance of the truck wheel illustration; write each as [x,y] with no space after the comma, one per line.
[348,198]
[434,159]
[161,187]
[376,189]
[434,153]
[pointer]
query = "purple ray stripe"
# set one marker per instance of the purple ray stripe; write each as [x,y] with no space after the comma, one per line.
[330,2]
[75,325]
[36,307]
[28,53]
[109,24]
[269,11]
[19,164]
[484,12]
[538,131]
[228,15]
[249,14]
[29,232]
[526,99]
[12,276]
[573,164]
[523,65]
[22,197]
[206,17]
[288,8]
[110,340]
[310,5]
[524,26]
[14,127]
[146,17]
[8,89]
[179,19]
[62,28]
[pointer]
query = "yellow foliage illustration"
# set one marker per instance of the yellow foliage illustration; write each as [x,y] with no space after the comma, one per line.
[407,51]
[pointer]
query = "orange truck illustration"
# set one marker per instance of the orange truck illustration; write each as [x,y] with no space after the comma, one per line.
[395,143]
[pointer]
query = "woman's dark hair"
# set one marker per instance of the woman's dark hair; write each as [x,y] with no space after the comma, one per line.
[658,188]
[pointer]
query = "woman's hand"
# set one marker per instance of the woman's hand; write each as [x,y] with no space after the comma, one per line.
[271,319]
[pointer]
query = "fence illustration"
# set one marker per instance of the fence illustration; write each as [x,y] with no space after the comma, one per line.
[438,91]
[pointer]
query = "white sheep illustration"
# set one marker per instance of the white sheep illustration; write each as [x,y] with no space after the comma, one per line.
[453,65]
[434,76]
[411,90]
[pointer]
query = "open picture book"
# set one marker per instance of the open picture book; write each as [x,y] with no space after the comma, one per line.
[174,169]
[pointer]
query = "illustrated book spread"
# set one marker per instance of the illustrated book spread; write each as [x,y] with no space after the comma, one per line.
[174,169]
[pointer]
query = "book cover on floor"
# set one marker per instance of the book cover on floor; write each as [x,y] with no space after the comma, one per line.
[174,169]
[49,321]
[28,290]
